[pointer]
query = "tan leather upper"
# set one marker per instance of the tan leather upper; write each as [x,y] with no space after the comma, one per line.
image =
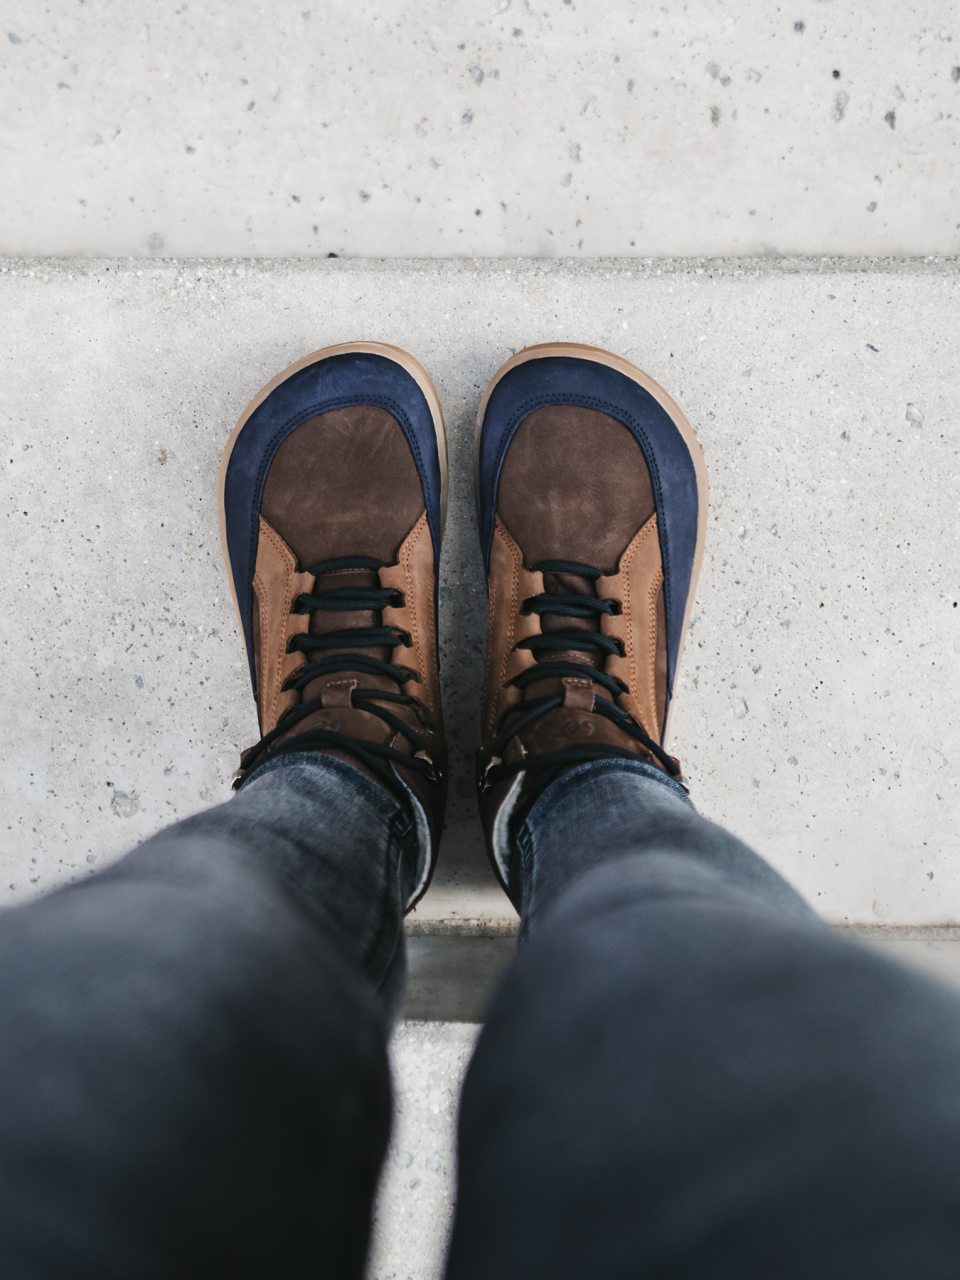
[508,585]
[413,576]
[638,587]
[276,585]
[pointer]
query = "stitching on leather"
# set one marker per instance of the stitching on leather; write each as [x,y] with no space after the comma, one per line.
[652,633]
[490,655]
[629,556]
[349,685]
[411,598]
[280,546]
[512,612]
[258,581]
[627,607]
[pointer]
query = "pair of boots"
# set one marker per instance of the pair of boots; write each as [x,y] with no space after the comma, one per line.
[591,499]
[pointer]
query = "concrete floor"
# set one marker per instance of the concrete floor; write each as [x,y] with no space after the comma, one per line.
[818,713]
[444,128]
[414,1207]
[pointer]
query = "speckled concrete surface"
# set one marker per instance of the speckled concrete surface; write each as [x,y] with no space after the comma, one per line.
[415,1201]
[446,128]
[819,713]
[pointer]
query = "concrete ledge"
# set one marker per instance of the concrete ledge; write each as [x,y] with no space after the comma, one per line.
[479,927]
[43,268]
[453,973]
[817,717]
[452,979]
[902,933]
[447,128]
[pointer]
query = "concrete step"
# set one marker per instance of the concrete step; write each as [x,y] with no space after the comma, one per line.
[443,128]
[818,714]
[452,977]
[451,974]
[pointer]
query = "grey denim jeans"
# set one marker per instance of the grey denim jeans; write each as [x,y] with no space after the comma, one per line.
[683,1074]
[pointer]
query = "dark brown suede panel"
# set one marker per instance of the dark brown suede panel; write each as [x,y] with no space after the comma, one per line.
[574,486]
[563,728]
[344,484]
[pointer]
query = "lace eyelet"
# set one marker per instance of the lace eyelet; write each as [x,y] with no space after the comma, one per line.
[433,774]
[491,764]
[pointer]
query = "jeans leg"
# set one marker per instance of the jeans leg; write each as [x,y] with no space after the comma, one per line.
[610,810]
[193,1071]
[685,1074]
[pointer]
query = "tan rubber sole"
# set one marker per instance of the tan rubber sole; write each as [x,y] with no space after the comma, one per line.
[398,356]
[579,351]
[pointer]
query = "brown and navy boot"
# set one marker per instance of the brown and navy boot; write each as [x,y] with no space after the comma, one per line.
[592,502]
[332,504]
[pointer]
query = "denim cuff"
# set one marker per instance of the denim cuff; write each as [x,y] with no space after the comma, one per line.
[581,774]
[371,790]
[578,821]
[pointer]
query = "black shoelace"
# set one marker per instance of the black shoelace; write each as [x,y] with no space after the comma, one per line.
[568,606]
[377,758]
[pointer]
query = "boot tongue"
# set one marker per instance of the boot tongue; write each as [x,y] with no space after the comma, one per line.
[569,584]
[324,622]
[565,584]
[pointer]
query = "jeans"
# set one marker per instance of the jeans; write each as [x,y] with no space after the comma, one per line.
[684,1073]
